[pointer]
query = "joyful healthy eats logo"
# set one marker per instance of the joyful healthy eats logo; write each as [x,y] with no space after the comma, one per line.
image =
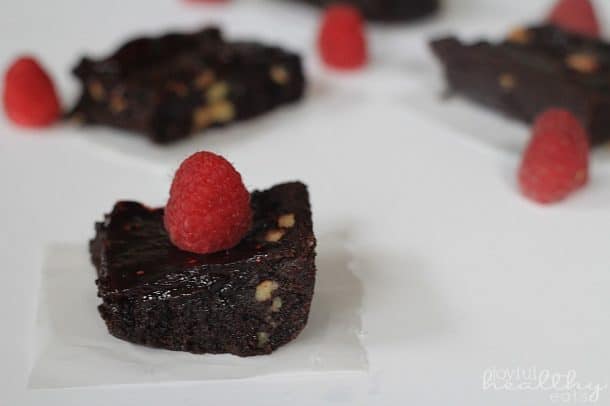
[561,387]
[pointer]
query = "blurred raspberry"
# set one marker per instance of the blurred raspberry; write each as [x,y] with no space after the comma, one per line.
[29,96]
[577,16]
[342,40]
[556,161]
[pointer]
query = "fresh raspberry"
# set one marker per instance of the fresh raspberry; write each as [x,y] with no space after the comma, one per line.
[556,161]
[577,16]
[209,207]
[30,99]
[342,41]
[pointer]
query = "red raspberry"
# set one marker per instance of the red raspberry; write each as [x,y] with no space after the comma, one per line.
[577,16]
[209,207]
[29,94]
[556,162]
[342,41]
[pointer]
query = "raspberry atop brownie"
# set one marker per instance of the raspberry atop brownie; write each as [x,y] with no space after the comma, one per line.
[209,207]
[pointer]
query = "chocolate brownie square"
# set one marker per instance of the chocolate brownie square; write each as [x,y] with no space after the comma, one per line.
[248,300]
[175,85]
[532,70]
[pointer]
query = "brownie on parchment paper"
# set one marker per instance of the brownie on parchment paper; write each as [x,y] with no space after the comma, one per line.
[533,69]
[248,300]
[175,85]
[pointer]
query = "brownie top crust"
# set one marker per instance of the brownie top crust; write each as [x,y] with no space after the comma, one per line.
[574,58]
[153,62]
[134,255]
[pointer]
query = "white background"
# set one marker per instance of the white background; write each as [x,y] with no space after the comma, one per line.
[458,272]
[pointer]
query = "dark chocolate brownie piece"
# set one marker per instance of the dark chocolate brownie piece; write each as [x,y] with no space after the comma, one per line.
[172,86]
[248,300]
[534,69]
[389,10]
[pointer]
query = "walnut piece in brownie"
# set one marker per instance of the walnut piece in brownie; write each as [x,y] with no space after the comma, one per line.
[173,86]
[248,300]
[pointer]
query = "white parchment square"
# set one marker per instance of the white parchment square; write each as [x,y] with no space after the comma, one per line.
[74,348]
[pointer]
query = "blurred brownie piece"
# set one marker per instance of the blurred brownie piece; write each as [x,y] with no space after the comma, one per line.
[388,10]
[534,69]
[248,300]
[178,84]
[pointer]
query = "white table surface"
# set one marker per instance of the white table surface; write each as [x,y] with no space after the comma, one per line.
[459,274]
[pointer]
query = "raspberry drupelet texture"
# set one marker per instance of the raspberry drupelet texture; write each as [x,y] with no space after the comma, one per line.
[30,99]
[556,161]
[577,16]
[209,207]
[342,39]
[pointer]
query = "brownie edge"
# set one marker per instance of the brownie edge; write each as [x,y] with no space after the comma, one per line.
[245,301]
